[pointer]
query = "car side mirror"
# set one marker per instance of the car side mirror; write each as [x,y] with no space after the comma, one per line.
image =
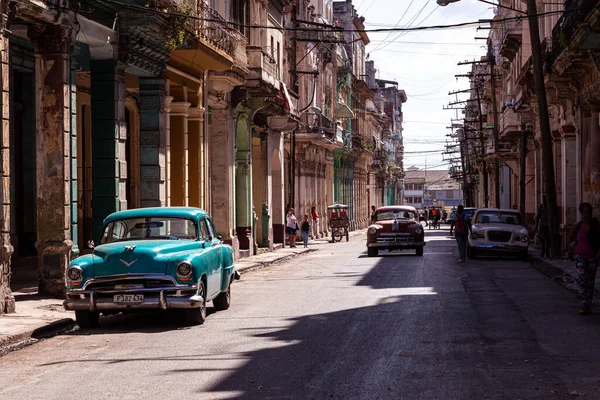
[91,244]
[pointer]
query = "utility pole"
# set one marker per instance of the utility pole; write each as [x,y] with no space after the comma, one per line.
[492,61]
[546,135]
[523,169]
[486,194]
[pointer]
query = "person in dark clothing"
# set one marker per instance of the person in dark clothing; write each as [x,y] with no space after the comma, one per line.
[373,214]
[585,242]
[305,228]
[460,232]
[542,227]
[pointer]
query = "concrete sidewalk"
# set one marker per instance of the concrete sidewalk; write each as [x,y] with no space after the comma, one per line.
[39,317]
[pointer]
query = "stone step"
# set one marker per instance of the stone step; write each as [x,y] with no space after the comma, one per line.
[244,253]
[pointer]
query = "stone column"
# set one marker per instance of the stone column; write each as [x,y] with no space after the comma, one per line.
[221,178]
[179,153]
[152,142]
[7,300]
[197,157]
[109,133]
[53,165]
[568,177]
[243,180]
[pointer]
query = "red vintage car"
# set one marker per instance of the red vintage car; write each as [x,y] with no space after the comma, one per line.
[395,228]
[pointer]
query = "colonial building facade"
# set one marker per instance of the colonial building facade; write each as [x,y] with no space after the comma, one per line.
[246,109]
[569,51]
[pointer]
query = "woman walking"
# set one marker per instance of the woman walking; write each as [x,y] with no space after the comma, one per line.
[585,242]
[305,228]
[291,227]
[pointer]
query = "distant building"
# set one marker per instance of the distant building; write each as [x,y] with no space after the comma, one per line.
[427,188]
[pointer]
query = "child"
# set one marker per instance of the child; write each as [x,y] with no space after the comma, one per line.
[305,228]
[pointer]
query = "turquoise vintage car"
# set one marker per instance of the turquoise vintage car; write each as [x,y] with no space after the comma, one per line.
[152,258]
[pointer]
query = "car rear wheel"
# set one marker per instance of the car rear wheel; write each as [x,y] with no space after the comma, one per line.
[420,251]
[197,316]
[87,319]
[372,252]
[223,300]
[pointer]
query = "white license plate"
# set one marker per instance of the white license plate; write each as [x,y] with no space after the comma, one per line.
[128,298]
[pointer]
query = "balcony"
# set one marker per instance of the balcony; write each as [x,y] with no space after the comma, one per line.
[264,71]
[510,124]
[318,129]
[567,32]
[209,35]
[511,37]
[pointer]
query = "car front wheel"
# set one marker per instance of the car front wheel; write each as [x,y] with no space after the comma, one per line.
[372,252]
[420,251]
[197,316]
[87,319]
[223,300]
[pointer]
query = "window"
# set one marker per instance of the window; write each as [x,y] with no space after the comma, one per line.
[449,194]
[149,228]
[240,14]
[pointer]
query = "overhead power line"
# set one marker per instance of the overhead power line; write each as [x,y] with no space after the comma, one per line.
[312,29]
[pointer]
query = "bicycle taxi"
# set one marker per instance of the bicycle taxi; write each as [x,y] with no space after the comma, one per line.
[338,222]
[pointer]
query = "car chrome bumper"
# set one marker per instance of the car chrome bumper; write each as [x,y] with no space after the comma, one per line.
[89,300]
[504,247]
[408,245]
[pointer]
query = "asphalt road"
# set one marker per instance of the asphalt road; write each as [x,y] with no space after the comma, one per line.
[336,324]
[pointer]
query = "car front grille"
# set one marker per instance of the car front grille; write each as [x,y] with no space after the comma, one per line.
[392,239]
[499,236]
[147,283]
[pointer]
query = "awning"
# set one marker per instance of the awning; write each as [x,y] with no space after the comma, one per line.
[343,111]
[289,105]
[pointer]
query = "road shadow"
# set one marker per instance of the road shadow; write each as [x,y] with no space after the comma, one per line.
[138,322]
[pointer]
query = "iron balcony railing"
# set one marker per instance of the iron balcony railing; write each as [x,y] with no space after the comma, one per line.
[575,13]
[317,123]
[209,26]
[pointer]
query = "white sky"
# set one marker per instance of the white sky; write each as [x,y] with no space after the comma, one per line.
[424,64]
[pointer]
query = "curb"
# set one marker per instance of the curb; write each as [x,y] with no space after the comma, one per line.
[254,265]
[14,342]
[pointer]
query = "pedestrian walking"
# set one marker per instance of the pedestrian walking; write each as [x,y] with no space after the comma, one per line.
[305,229]
[315,222]
[584,239]
[373,214]
[460,232]
[291,227]
[542,227]
[426,216]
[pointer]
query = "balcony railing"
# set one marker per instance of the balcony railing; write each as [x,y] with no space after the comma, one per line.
[317,123]
[569,22]
[209,26]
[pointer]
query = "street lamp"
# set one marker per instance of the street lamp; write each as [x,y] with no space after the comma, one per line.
[544,121]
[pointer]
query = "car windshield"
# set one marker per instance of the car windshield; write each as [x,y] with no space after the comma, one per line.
[386,215]
[149,228]
[499,217]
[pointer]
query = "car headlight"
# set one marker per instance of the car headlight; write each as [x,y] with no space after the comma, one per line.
[372,230]
[476,236]
[419,230]
[184,271]
[524,239]
[74,275]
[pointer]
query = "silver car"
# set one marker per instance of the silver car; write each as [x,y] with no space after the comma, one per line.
[498,232]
